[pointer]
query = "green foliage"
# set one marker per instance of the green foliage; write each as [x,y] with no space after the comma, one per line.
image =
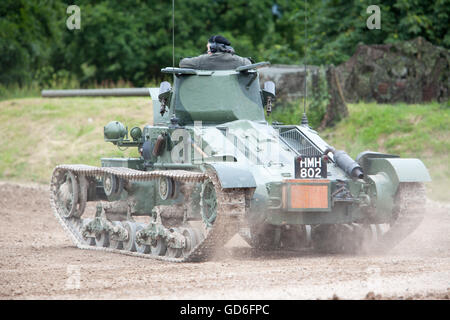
[130,41]
[288,112]
[319,98]
[28,33]
[316,104]
[292,112]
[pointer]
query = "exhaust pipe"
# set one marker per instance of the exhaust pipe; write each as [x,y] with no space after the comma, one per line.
[346,163]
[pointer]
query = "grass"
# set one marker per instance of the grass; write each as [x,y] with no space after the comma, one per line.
[16,92]
[39,133]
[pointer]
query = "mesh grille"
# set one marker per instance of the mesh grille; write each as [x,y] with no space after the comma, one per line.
[297,142]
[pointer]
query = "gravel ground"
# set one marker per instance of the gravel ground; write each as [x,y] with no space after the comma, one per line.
[38,261]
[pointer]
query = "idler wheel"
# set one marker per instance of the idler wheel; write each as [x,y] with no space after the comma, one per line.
[67,198]
[83,185]
[208,203]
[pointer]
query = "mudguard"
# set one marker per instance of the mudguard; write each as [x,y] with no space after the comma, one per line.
[233,174]
[400,169]
[388,173]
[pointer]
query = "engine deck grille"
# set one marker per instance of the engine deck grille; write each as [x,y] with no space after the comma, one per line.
[298,143]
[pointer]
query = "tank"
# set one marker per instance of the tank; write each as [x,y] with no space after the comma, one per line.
[211,166]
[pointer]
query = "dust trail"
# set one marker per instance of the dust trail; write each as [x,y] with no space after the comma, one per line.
[432,237]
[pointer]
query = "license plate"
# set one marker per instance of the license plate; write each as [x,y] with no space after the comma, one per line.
[309,168]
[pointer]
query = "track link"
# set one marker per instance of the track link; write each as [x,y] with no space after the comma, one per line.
[230,208]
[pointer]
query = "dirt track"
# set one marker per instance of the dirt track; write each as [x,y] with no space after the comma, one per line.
[38,261]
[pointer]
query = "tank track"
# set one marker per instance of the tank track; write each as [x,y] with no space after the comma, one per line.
[230,208]
[409,210]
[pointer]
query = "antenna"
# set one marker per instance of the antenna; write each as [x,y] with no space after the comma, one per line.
[304,117]
[173,33]
[173,119]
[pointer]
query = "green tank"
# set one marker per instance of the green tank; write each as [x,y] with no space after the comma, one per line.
[211,167]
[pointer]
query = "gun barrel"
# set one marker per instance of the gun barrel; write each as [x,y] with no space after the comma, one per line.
[116,92]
